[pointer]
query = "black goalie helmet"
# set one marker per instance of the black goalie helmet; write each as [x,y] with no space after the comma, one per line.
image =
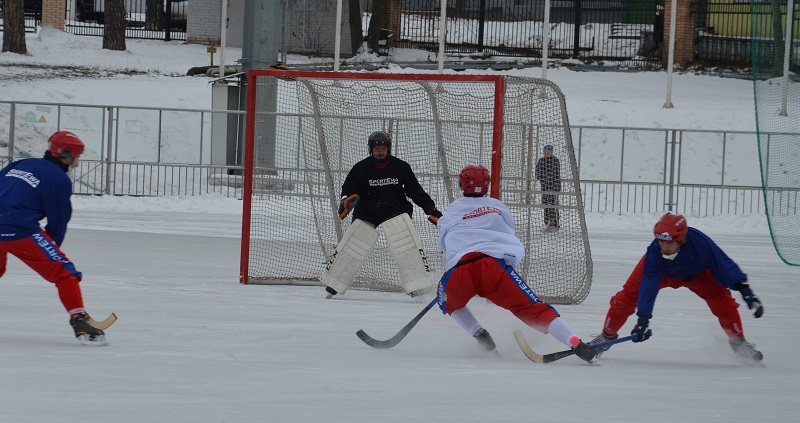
[380,138]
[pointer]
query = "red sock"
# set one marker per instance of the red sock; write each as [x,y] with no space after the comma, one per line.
[70,293]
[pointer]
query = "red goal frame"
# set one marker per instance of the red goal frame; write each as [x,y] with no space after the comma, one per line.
[252,78]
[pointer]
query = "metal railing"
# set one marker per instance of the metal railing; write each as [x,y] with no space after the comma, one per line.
[159,152]
[87,17]
[724,30]
[32,13]
[591,29]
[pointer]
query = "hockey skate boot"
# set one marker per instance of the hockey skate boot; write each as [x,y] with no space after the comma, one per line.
[745,351]
[585,353]
[599,339]
[87,334]
[419,293]
[485,340]
[331,292]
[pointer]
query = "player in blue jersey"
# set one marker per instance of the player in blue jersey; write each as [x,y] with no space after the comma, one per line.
[681,256]
[38,188]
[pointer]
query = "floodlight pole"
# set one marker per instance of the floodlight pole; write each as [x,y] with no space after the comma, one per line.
[673,10]
[260,40]
[787,56]
[337,50]
[223,38]
[442,32]
[545,38]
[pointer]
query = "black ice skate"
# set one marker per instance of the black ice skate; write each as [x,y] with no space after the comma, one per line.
[331,292]
[585,353]
[87,334]
[485,340]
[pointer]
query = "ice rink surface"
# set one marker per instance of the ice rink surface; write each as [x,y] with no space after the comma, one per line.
[193,345]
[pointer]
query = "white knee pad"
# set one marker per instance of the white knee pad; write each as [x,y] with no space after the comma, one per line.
[406,248]
[354,248]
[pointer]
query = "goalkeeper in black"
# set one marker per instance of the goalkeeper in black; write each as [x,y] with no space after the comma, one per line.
[377,190]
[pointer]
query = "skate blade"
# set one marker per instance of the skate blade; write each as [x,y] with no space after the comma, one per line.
[99,341]
[748,362]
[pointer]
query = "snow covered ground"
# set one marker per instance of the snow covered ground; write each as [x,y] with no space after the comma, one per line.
[74,69]
[193,345]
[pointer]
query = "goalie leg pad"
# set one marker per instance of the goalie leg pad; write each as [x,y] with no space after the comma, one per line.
[351,253]
[406,248]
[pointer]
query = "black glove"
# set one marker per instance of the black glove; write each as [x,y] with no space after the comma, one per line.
[640,332]
[753,303]
[433,216]
[346,204]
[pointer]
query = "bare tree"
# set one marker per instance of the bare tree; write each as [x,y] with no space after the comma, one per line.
[154,15]
[356,34]
[14,26]
[114,34]
[375,25]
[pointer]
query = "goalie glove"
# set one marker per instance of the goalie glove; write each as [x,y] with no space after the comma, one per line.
[433,216]
[346,204]
[753,303]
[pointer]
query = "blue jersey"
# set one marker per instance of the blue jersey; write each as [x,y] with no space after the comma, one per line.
[31,190]
[698,253]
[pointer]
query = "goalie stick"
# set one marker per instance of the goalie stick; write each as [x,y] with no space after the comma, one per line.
[103,324]
[389,343]
[549,358]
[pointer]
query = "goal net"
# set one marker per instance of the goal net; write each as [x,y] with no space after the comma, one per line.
[777,107]
[305,130]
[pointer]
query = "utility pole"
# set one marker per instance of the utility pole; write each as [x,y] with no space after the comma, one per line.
[260,41]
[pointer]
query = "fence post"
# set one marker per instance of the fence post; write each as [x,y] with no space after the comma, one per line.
[671,183]
[576,35]
[481,24]
[168,23]
[621,169]
[108,159]
[11,131]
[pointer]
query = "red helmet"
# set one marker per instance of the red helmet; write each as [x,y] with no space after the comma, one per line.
[474,180]
[671,227]
[65,144]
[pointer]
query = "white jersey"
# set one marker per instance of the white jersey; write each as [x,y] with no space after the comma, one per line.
[479,224]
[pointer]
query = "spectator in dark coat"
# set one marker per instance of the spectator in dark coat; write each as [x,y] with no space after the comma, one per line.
[548,172]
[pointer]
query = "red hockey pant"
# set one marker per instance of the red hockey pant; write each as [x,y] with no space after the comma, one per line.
[44,256]
[490,278]
[719,300]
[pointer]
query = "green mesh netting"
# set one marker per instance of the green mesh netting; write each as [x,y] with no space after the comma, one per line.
[777,108]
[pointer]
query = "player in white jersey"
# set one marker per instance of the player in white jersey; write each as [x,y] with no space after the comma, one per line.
[476,234]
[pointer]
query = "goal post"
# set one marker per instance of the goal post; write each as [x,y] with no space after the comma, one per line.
[305,130]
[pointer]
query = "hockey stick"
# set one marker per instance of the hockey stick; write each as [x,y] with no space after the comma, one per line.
[103,324]
[389,343]
[549,358]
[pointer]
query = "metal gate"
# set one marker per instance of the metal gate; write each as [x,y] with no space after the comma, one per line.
[33,15]
[144,19]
